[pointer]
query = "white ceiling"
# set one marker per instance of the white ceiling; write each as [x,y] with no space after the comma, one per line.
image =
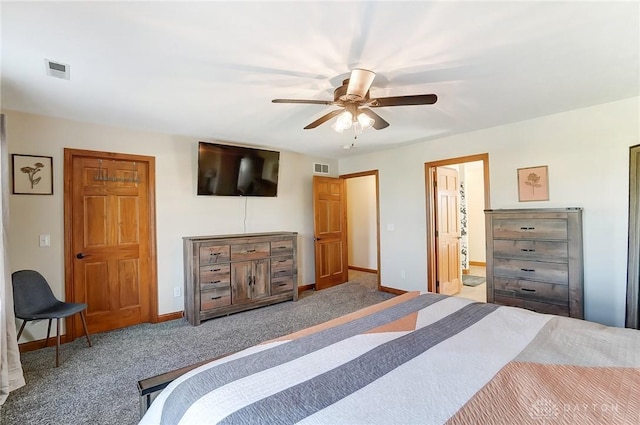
[210,69]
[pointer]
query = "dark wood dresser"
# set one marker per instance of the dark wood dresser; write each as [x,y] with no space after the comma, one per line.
[231,273]
[534,259]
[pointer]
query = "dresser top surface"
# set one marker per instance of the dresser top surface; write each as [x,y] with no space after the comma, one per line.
[240,235]
[534,210]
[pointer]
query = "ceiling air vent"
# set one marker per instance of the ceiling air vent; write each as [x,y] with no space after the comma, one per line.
[320,168]
[57,69]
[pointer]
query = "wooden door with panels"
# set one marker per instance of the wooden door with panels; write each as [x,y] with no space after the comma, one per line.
[330,231]
[110,256]
[449,272]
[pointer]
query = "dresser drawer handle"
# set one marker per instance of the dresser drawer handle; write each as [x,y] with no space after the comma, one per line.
[281,284]
[528,270]
[527,228]
[216,281]
[282,261]
[528,250]
[281,247]
[216,298]
[214,253]
[528,290]
[215,270]
[251,250]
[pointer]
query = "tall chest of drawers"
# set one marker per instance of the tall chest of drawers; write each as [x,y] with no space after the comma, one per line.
[231,273]
[534,259]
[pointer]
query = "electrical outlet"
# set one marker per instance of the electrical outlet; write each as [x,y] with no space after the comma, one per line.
[403,274]
[177,291]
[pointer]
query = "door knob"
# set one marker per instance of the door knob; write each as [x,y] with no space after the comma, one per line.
[80,256]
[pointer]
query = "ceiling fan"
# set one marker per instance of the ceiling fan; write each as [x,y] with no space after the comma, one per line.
[353,96]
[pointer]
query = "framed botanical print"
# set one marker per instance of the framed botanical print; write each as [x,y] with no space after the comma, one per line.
[533,184]
[32,175]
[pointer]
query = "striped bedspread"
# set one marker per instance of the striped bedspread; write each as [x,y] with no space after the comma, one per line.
[420,359]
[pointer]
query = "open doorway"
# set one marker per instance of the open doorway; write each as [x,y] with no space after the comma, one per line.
[363,228]
[457,193]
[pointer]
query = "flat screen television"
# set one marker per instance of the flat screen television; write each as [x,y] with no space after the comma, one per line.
[226,170]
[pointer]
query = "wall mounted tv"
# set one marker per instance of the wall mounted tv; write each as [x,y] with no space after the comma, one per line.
[225,170]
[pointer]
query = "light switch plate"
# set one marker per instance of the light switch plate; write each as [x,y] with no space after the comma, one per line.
[45,240]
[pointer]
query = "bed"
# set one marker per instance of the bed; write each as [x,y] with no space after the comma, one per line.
[419,359]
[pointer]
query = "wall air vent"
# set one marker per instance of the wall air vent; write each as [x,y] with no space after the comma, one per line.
[57,69]
[320,168]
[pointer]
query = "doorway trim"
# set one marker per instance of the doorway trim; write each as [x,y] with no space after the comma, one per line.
[69,155]
[376,175]
[429,175]
[632,317]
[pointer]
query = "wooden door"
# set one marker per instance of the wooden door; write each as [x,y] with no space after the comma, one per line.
[330,232]
[449,272]
[109,238]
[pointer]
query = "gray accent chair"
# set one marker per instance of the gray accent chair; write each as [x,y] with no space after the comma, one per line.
[34,300]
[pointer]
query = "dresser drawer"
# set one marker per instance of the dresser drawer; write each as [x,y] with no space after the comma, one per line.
[218,275]
[281,284]
[551,229]
[249,251]
[282,248]
[530,290]
[533,270]
[532,305]
[213,298]
[531,250]
[281,267]
[214,254]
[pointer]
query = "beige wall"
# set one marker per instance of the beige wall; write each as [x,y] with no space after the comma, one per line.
[587,151]
[179,212]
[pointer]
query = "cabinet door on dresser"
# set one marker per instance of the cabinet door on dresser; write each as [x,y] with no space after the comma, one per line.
[249,280]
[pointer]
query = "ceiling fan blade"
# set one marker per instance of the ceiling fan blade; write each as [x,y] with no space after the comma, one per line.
[360,83]
[309,101]
[378,122]
[418,99]
[324,119]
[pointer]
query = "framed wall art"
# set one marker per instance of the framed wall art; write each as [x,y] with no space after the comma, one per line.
[533,184]
[32,175]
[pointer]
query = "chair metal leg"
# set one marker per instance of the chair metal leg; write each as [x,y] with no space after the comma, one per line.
[24,322]
[46,341]
[86,330]
[57,341]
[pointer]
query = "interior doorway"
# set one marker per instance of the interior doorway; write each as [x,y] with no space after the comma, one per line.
[331,230]
[446,222]
[363,227]
[632,318]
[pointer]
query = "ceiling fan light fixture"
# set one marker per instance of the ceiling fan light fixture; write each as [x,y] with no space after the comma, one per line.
[337,128]
[353,95]
[344,121]
[365,120]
